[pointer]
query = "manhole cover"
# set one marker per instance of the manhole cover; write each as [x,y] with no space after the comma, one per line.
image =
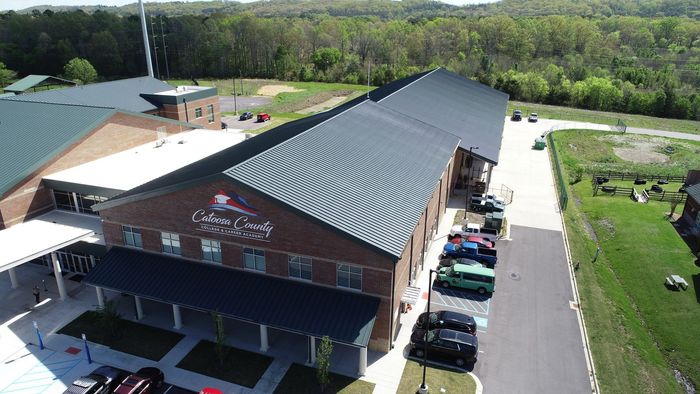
[514,275]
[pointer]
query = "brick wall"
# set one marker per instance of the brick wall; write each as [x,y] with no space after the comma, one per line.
[120,132]
[178,112]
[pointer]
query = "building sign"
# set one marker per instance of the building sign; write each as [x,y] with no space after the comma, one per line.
[230,214]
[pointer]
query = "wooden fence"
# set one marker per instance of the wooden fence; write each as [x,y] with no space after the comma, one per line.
[629,192]
[622,176]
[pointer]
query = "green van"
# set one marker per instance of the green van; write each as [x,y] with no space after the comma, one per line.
[468,277]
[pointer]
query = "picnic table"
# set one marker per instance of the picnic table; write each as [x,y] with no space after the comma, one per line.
[677,281]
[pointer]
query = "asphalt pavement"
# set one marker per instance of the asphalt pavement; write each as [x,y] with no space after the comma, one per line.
[242,103]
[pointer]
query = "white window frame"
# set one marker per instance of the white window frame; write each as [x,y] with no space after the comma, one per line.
[210,113]
[130,236]
[198,109]
[213,247]
[170,243]
[348,269]
[300,262]
[258,259]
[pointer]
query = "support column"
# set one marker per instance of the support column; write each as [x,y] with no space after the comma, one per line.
[312,350]
[362,365]
[59,278]
[177,317]
[139,308]
[13,278]
[100,297]
[264,346]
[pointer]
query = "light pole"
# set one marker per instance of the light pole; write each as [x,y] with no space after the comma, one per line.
[469,175]
[423,389]
[38,335]
[87,349]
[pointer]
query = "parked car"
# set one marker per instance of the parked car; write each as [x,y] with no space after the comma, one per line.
[144,381]
[489,234]
[451,345]
[446,319]
[480,242]
[469,250]
[245,116]
[486,206]
[263,117]
[450,261]
[517,115]
[102,380]
[210,390]
[532,118]
[488,197]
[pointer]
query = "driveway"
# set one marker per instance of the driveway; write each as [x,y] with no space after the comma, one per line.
[242,102]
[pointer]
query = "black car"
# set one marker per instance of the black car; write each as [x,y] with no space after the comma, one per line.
[517,115]
[101,381]
[450,261]
[246,116]
[447,319]
[450,345]
[656,189]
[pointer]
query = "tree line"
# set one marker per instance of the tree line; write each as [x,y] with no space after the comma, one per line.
[619,63]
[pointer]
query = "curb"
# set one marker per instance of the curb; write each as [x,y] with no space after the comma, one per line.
[479,386]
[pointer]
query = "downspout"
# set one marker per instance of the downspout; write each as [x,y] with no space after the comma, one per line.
[187,115]
[391,307]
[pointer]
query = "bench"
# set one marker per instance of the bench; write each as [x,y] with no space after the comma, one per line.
[671,283]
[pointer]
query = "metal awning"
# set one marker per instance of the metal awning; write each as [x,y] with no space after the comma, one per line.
[304,308]
[45,234]
[410,295]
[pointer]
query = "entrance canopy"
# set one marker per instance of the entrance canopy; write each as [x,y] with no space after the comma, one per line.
[303,308]
[45,234]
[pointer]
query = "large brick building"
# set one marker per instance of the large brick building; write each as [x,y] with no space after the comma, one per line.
[317,227]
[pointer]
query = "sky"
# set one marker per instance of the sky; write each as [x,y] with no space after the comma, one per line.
[22,4]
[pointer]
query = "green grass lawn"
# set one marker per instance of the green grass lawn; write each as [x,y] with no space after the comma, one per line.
[241,367]
[137,339]
[610,118]
[300,379]
[639,331]
[438,380]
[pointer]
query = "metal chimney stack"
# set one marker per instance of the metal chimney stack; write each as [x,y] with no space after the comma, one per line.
[147,47]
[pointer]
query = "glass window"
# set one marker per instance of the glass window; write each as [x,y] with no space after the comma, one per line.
[64,200]
[210,113]
[300,267]
[349,276]
[198,113]
[211,251]
[171,243]
[254,259]
[132,236]
[87,201]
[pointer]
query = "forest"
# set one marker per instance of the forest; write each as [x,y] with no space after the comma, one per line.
[635,64]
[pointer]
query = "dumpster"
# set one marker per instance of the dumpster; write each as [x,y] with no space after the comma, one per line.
[540,143]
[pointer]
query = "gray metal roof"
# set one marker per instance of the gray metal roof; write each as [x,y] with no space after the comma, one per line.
[368,172]
[693,192]
[123,94]
[305,308]
[33,133]
[32,81]
[465,108]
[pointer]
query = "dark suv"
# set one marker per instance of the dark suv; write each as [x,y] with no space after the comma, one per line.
[517,115]
[447,319]
[449,345]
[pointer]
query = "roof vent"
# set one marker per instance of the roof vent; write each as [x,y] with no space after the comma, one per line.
[161,143]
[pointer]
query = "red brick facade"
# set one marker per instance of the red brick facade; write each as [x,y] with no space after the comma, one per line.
[188,112]
[120,132]
[292,234]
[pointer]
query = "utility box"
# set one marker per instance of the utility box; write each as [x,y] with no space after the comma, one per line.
[540,143]
[494,220]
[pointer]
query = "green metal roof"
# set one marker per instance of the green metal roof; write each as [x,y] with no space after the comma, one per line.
[32,81]
[34,133]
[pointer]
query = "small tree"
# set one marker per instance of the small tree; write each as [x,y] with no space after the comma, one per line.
[80,70]
[323,361]
[110,320]
[5,75]
[221,347]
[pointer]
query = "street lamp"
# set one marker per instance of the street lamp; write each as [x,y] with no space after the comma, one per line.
[38,335]
[423,388]
[469,175]
[87,349]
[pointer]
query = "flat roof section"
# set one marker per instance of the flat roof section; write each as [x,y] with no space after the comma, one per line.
[45,234]
[126,170]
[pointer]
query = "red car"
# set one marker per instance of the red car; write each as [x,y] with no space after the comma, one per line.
[263,117]
[481,242]
[145,381]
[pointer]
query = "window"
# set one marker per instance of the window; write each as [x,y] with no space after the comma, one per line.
[300,267]
[198,112]
[349,276]
[132,236]
[64,200]
[211,251]
[210,113]
[67,201]
[171,243]
[254,259]
[85,203]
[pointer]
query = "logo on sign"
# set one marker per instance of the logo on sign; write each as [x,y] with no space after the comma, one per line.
[245,225]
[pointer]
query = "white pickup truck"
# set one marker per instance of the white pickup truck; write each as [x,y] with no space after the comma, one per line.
[468,229]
